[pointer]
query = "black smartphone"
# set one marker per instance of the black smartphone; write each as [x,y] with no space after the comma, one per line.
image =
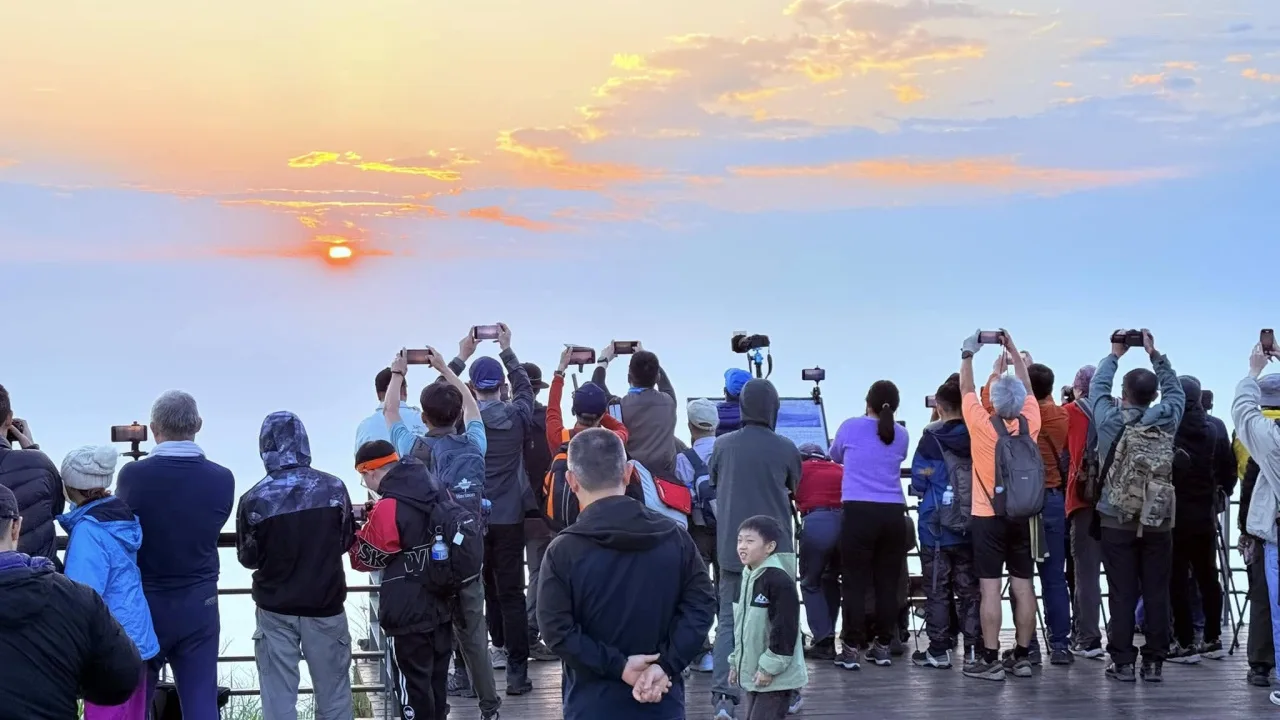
[813,375]
[930,401]
[1128,338]
[128,433]
[581,355]
[485,332]
[1268,340]
[991,337]
[625,347]
[417,357]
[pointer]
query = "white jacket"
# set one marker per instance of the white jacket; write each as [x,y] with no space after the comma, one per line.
[1261,437]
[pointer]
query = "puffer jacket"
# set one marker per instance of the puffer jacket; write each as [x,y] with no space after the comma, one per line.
[294,527]
[36,484]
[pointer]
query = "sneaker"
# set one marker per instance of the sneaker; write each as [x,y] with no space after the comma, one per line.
[1092,651]
[850,658]
[1018,667]
[1212,651]
[983,670]
[706,664]
[459,685]
[1259,676]
[489,715]
[497,658]
[725,709]
[926,658]
[1152,671]
[1061,656]
[822,650]
[1182,655]
[797,703]
[1033,655]
[1275,697]
[541,653]
[1123,673]
[880,655]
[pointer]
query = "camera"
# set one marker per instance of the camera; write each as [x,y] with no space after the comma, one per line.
[744,343]
[134,433]
[991,337]
[417,357]
[930,401]
[580,356]
[1128,338]
[625,347]
[1068,394]
[485,332]
[1267,338]
[813,375]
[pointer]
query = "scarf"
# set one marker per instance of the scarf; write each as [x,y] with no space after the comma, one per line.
[177,448]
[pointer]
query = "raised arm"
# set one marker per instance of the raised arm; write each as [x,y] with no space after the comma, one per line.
[1173,400]
[522,397]
[391,406]
[470,408]
[1019,362]
[1101,403]
[664,384]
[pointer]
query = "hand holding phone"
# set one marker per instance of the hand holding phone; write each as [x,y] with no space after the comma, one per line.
[1127,338]
[579,355]
[1268,341]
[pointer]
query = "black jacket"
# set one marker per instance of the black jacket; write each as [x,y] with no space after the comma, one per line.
[537,456]
[294,527]
[622,580]
[57,640]
[1203,465]
[36,484]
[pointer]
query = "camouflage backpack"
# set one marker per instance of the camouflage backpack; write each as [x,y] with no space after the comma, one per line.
[1138,475]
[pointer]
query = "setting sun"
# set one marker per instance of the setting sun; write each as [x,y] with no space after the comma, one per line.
[339,252]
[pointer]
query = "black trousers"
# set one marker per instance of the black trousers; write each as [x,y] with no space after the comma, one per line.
[766,705]
[873,541]
[422,672]
[505,610]
[1262,648]
[1137,567]
[1195,551]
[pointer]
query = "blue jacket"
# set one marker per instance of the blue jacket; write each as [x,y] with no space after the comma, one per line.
[102,552]
[929,477]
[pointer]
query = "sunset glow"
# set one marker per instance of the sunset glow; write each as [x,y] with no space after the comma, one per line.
[339,252]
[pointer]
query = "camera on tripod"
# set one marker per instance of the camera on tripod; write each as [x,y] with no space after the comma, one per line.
[743,343]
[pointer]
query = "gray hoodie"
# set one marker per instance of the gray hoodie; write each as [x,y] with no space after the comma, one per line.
[755,472]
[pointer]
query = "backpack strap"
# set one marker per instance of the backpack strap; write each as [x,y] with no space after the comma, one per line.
[1001,429]
[1022,426]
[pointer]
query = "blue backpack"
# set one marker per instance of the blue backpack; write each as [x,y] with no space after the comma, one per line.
[704,494]
[458,465]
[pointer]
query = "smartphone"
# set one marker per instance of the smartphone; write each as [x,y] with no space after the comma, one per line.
[1268,340]
[625,347]
[930,401]
[128,433]
[581,355]
[485,332]
[903,423]
[991,337]
[1128,338]
[417,357]
[813,375]
[359,513]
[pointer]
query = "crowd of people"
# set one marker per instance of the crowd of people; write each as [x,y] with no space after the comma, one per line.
[738,537]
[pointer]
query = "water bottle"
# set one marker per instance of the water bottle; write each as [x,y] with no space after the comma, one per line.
[485,507]
[439,550]
[947,496]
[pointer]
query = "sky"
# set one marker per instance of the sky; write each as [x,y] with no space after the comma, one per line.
[866,182]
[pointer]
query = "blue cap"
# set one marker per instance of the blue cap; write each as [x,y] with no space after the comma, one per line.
[734,380]
[486,373]
[590,399]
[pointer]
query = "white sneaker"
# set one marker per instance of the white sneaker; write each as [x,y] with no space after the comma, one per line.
[1275,697]
[706,664]
[497,658]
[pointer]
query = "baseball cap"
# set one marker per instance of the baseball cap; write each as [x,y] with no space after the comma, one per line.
[590,399]
[703,414]
[486,373]
[1270,385]
[535,376]
[734,380]
[8,505]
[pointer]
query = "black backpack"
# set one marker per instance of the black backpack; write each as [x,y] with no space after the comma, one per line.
[1019,473]
[704,493]
[458,465]
[454,551]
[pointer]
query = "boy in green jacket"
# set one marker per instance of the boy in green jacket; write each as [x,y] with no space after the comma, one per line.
[768,652]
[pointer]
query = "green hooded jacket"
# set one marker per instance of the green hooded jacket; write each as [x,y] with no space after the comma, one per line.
[766,629]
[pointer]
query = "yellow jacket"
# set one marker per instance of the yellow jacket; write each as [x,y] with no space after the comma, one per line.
[1242,455]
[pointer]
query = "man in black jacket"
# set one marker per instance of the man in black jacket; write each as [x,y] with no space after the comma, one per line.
[34,480]
[57,637]
[293,529]
[537,533]
[625,599]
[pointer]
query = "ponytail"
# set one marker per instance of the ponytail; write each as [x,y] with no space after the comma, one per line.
[885,426]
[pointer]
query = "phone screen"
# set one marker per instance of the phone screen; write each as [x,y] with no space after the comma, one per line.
[128,433]
[1268,339]
[485,332]
[930,401]
[417,357]
[625,347]
[582,356]
[991,337]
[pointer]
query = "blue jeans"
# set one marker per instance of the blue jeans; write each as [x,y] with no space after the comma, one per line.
[820,571]
[1053,571]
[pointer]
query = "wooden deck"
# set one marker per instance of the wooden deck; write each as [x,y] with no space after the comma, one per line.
[1212,690]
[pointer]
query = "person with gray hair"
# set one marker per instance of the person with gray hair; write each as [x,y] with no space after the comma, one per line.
[622,658]
[1086,550]
[183,501]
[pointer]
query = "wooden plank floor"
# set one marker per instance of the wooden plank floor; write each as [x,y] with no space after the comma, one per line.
[1212,690]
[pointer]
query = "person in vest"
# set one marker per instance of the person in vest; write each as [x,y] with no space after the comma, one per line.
[648,409]
[34,480]
[692,471]
[1259,435]
[728,411]
[1261,648]
[1137,558]
[444,405]
[818,502]
[768,650]
[183,501]
[999,542]
[292,530]
[946,553]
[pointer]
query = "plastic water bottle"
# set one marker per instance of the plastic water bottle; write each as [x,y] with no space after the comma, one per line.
[485,507]
[947,496]
[439,550]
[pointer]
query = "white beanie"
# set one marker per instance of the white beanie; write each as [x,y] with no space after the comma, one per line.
[89,467]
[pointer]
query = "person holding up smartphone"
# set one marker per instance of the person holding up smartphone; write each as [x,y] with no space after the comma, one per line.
[34,480]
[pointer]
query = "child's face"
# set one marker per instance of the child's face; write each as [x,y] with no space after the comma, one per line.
[752,549]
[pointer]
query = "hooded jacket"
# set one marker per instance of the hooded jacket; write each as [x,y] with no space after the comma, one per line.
[294,527]
[766,630]
[102,552]
[755,472]
[397,524]
[1202,465]
[930,478]
[1248,480]
[1260,436]
[57,639]
[36,484]
[622,581]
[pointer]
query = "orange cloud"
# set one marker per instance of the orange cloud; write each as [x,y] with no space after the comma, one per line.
[323,157]
[444,175]
[7,162]
[314,159]
[907,94]
[309,221]
[553,165]
[987,172]
[1253,74]
[320,206]
[1062,84]
[1154,79]
[1180,65]
[1239,58]
[498,215]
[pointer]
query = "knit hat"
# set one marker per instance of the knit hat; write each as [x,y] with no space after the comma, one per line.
[1270,385]
[703,414]
[89,467]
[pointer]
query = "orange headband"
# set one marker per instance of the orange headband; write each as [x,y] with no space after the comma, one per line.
[374,464]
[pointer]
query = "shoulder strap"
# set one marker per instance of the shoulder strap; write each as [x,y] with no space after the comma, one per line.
[1001,429]
[1022,426]
[699,465]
